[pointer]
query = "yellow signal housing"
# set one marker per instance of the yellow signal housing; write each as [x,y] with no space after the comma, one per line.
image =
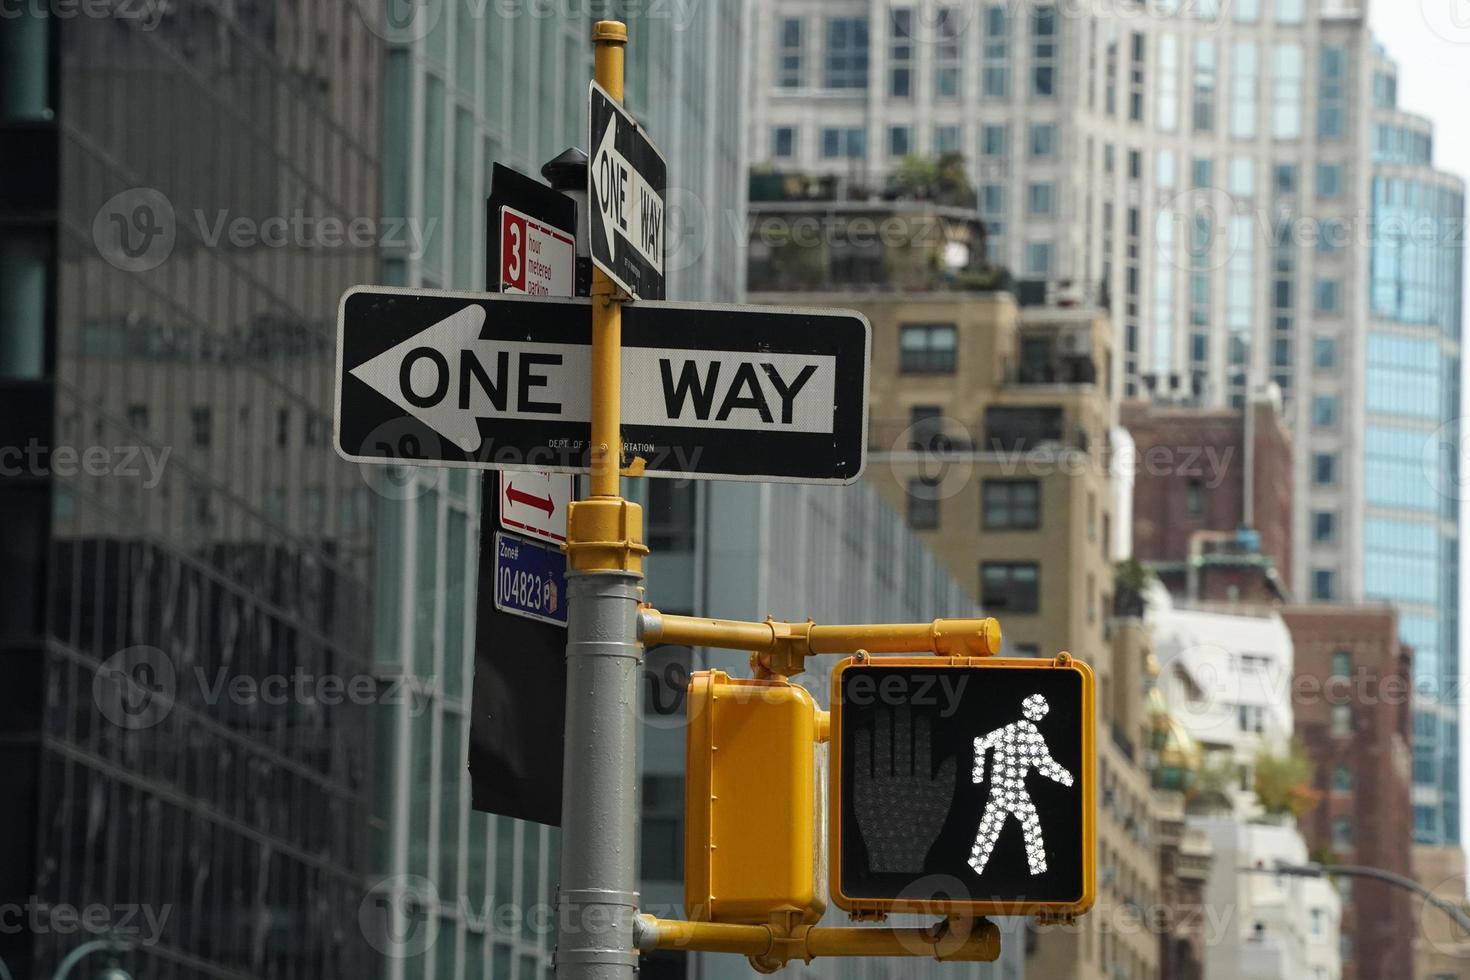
[750,842]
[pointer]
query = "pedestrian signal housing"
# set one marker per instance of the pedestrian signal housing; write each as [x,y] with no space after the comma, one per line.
[963,786]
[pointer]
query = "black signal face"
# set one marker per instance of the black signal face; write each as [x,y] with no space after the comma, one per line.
[963,788]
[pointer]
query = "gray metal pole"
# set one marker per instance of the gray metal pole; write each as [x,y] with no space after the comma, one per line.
[598,900]
[1449,908]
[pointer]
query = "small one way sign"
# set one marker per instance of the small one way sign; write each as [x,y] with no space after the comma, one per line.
[626,184]
[503,382]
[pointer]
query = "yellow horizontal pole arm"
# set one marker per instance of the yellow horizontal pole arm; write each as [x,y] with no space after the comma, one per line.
[725,634]
[947,637]
[771,948]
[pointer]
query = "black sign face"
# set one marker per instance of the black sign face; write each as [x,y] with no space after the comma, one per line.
[502,382]
[627,181]
[512,189]
[963,788]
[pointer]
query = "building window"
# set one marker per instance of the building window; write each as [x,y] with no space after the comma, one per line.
[993,141]
[1342,833]
[1288,72]
[1324,352]
[927,348]
[923,505]
[1332,93]
[1324,526]
[900,141]
[1044,52]
[946,140]
[1194,497]
[789,56]
[1007,586]
[1342,663]
[995,64]
[1043,140]
[1324,469]
[1329,180]
[1167,104]
[1342,779]
[1041,199]
[1251,718]
[1284,178]
[901,54]
[1324,411]
[850,142]
[1342,720]
[1011,505]
[783,142]
[947,52]
[1324,584]
[1205,74]
[200,423]
[1327,296]
[847,53]
[1202,173]
[926,427]
[1038,259]
[993,200]
[1244,89]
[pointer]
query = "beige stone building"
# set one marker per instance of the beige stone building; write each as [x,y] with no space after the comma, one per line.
[990,428]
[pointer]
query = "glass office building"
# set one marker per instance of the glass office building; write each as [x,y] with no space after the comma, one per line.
[1412,479]
[463,92]
[176,536]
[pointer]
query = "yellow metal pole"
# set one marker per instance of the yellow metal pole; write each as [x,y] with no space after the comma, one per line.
[597,899]
[609,38]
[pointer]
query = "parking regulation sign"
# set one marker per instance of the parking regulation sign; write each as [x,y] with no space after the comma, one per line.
[535,502]
[530,580]
[535,258]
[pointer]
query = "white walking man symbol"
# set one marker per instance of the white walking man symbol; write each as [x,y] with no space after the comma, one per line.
[1018,747]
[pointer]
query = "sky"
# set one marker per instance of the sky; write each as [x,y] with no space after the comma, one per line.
[1430,40]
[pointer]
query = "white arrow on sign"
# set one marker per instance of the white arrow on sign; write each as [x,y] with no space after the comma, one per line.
[628,206]
[448,377]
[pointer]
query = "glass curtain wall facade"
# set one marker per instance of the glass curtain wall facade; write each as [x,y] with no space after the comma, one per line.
[212,546]
[1412,479]
[468,85]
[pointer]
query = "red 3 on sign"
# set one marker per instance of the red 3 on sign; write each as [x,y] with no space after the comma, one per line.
[534,257]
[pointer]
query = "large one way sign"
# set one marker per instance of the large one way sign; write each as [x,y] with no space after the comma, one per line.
[503,382]
[627,179]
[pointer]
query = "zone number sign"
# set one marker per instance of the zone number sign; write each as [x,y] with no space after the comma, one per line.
[963,786]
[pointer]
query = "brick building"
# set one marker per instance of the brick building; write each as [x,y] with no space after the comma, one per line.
[1352,707]
[1209,517]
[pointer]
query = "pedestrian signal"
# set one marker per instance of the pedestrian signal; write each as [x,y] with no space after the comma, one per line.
[963,786]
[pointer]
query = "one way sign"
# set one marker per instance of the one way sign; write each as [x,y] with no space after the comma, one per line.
[498,381]
[626,184]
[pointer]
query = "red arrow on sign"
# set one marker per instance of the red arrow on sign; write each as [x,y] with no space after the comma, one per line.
[515,496]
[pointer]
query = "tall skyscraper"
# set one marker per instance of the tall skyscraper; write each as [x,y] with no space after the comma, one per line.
[179,542]
[1233,180]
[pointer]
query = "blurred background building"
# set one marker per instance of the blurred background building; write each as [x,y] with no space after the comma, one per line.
[211,536]
[1237,185]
